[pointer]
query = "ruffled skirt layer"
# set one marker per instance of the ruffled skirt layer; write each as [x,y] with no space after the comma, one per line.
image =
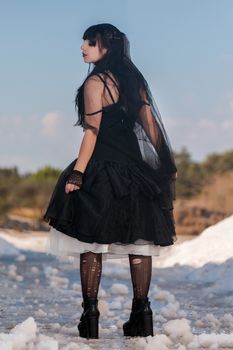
[119,210]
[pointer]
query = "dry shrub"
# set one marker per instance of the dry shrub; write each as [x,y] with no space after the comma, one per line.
[217,194]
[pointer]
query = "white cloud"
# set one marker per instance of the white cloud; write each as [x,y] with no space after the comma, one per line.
[51,124]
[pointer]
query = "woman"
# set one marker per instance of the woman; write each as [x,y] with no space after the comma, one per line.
[115,199]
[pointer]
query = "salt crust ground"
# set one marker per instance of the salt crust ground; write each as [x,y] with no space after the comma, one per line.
[191,295]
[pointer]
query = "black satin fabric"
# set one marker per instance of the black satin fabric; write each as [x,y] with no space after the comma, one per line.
[122,198]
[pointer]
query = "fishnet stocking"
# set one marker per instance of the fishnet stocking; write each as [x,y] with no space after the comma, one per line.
[90,273]
[140,268]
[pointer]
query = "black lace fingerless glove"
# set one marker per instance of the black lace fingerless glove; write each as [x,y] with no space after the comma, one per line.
[75,178]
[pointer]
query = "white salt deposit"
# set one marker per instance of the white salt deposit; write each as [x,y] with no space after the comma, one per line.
[7,249]
[170,310]
[214,244]
[24,336]
[179,331]
[35,241]
[118,288]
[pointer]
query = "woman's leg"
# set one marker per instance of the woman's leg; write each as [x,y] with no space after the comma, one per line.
[140,322]
[90,273]
[140,268]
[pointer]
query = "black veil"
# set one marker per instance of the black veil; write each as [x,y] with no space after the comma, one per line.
[153,140]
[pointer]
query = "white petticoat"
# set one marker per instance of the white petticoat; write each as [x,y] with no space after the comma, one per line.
[68,248]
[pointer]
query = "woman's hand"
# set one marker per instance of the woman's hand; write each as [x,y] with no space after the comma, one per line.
[71,188]
[74,181]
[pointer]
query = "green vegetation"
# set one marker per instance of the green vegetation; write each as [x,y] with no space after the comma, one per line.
[29,190]
[32,190]
[192,176]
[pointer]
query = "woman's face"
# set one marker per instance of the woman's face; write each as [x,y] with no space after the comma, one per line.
[91,51]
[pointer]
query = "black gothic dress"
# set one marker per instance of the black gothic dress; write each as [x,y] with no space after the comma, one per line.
[120,207]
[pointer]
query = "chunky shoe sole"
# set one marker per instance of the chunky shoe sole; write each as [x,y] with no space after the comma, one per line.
[89,321]
[142,326]
[89,327]
[140,323]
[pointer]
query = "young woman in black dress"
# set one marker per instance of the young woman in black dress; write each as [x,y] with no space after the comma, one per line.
[116,198]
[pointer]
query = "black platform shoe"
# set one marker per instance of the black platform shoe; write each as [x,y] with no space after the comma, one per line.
[89,322]
[140,323]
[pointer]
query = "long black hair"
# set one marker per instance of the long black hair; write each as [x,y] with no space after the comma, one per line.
[117,61]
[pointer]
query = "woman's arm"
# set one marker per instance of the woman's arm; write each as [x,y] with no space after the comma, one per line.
[147,121]
[86,150]
[93,90]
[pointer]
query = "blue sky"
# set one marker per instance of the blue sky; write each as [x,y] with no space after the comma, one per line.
[184,48]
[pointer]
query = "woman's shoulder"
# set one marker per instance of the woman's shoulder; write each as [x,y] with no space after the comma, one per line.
[105,77]
[98,80]
[93,82]
[94,78]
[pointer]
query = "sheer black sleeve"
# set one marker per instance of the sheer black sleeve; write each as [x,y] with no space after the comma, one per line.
[93,90]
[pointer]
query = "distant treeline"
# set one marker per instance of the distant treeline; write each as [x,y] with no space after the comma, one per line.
[192,176]
[33,189]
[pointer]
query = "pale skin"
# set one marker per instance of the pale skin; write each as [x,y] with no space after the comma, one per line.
[92,55]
